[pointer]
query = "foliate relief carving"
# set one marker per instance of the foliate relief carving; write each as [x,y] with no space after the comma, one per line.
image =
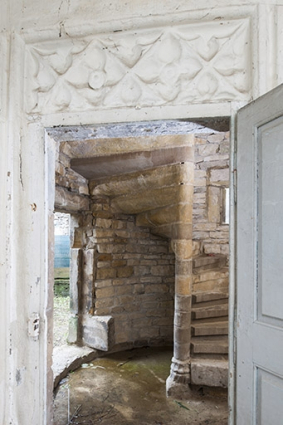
[194,63]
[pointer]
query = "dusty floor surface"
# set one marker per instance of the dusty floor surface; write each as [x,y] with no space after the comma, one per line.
[129,388]
[61,313]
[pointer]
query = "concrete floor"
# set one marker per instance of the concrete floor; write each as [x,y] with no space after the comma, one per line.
[129,388]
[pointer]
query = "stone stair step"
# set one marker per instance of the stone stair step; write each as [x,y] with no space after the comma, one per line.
[210,328]
[210,345]
[205,262]
[207,275]
[209,296]
[209,372]
[217,308]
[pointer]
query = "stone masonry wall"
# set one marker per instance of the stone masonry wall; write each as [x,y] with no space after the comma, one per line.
[211,178]
[210,233]
[133,276]
[71,189]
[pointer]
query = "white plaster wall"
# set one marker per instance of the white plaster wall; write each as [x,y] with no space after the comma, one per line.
[41,44]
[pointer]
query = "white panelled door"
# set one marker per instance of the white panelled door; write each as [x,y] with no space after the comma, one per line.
[259,326]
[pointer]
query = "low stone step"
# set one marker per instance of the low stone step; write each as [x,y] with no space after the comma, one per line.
[210,328]
[210,345]
[209,296]
[206,311]
[210,372]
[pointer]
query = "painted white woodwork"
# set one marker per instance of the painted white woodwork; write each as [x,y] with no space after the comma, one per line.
[259,369]
[219,57]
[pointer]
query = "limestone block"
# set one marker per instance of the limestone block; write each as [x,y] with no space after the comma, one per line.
[219,235]
[83,190]
[204,226]
[104,223]
[103,283]
[98,332]
[151,199]
[107,292]
[201,235]
[141,270]
[124,272]
[183,303]
[183,268]
[182,319]
[199,198]
[208,149]
[224,148]
[123,290]
[211,275]
[103,303]
[103,233]
[106,273]
[217,157]
[211,248]
[67,358]
[70,202]
[104,257]
[211,285]
[219,176]
[196,248]
[183,249]
[162,270]
[156,289]
[166,215]
[139,289]
[156,177]
[210,372]
[73,330]
[183,284]
[103,264]
[216,137]
[119,263]
[224,249]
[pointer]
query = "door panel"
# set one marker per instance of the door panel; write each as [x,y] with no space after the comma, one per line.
[259,369]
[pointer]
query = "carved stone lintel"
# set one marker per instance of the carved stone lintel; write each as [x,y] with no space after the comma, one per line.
[179,65]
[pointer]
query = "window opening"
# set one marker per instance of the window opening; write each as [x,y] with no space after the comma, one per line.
[61,278]
[226,205]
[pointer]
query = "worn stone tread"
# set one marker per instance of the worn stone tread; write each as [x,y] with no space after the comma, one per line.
[209,372]
[212,344]
[205,297]
[212,328]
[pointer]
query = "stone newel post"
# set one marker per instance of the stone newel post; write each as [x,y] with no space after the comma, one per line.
[177,384]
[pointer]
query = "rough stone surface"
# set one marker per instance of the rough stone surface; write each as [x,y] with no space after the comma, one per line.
[209,372]
[98,332]
[69,357]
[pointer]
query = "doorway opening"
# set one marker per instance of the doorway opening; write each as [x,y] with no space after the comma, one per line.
[121,243]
